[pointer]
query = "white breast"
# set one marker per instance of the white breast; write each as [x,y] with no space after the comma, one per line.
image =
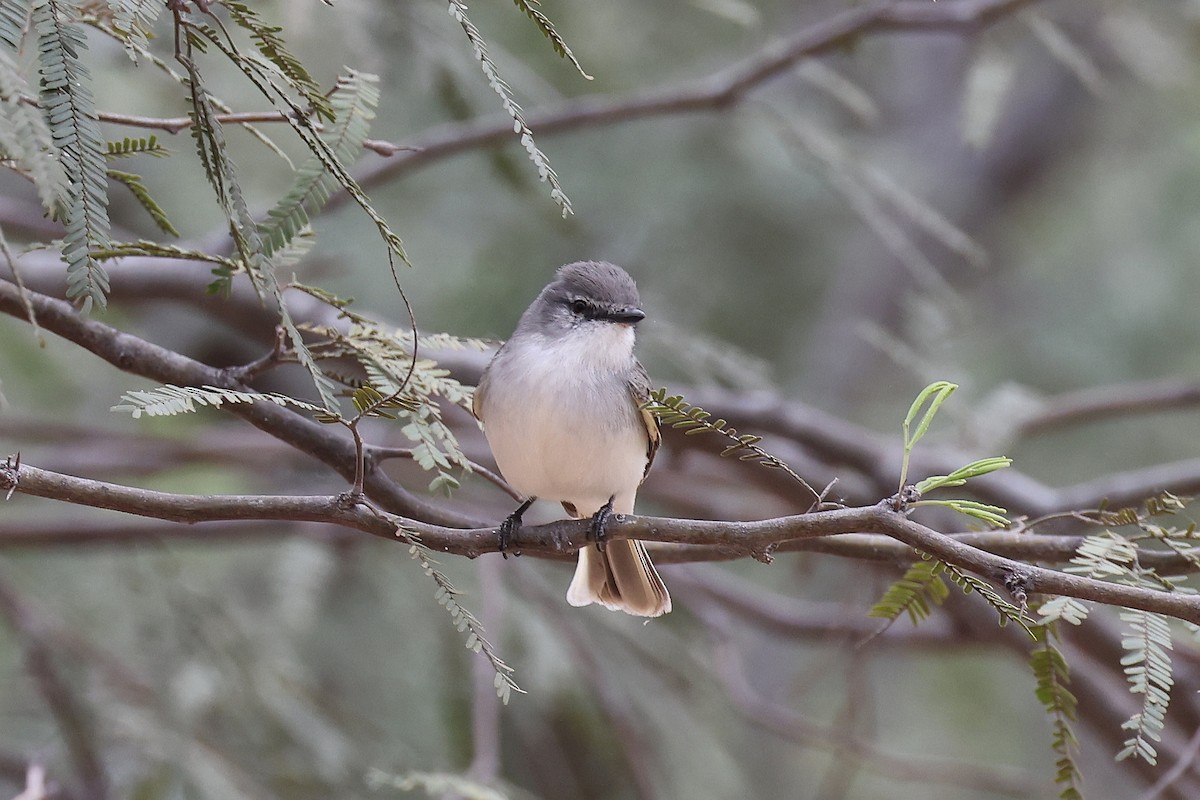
[561,422]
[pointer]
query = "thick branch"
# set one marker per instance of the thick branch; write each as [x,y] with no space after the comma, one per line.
[189,508]
[139,357]
[565,536]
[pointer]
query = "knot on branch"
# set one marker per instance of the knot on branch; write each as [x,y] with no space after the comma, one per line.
[765,555]
[1019,583]
[901,500]
[347,501]
[9,474]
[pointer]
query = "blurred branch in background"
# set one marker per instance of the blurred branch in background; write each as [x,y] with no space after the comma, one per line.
[260,646]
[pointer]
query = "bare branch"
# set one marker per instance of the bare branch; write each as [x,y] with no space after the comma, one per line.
[1103,402]
[567,536]
[717,92]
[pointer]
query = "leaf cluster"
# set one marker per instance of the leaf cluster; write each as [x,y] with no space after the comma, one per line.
[915,426]
[171,400]
[391,367]
[66,101]
[464,621]
[674,412]
[922,586]
[1053,681]
[545,172]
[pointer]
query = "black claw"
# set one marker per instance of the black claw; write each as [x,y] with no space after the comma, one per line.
[597,533]
[510,527]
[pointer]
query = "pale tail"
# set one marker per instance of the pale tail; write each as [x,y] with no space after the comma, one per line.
[619,577]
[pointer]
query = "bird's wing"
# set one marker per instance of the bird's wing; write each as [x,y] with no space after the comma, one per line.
[639,391]
[477,395]
[477,402]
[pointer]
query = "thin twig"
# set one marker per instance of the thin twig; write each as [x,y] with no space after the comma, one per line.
[384,453]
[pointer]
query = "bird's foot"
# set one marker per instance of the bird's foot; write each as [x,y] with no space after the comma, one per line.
[510,527]
[597,532]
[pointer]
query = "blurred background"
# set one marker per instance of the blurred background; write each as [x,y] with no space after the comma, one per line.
[1010,206]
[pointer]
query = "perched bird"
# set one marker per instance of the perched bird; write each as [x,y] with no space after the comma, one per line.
[561,408]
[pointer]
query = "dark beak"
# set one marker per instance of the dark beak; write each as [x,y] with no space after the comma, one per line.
[626,315]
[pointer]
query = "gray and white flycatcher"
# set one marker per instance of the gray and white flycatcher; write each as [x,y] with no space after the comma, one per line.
[561,404]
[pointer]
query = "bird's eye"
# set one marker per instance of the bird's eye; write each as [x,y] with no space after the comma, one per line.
[579,306]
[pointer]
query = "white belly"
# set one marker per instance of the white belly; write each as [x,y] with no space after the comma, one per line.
[560,436]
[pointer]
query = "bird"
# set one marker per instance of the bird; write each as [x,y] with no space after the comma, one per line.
[562,404]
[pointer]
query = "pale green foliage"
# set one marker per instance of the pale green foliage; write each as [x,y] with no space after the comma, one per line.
[545,172]
[209,135]
[1067,609]
[448,341]
[992,515]
[272,48]
[127,148]
[1112,556]
[267,76]
[387,358]
[1148,668]
[1053,677]
[530,7]
[929,400]
[25,139]
[464,621]
[148,145]
[222,175]
[322,382]
[169,400]
[673,411]
[921,586]
[961,475]
[133,20]
[1007,611]
[916,425]
[134,184]
[68,106]
[353,104]
[13,18]
[144,247]
[1105,555]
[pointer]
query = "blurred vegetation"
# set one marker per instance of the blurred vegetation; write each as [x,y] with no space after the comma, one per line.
[823,237]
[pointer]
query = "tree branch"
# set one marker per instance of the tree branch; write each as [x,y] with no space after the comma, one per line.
[1102,402]
[717,92]
[558,539]
[139,357]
